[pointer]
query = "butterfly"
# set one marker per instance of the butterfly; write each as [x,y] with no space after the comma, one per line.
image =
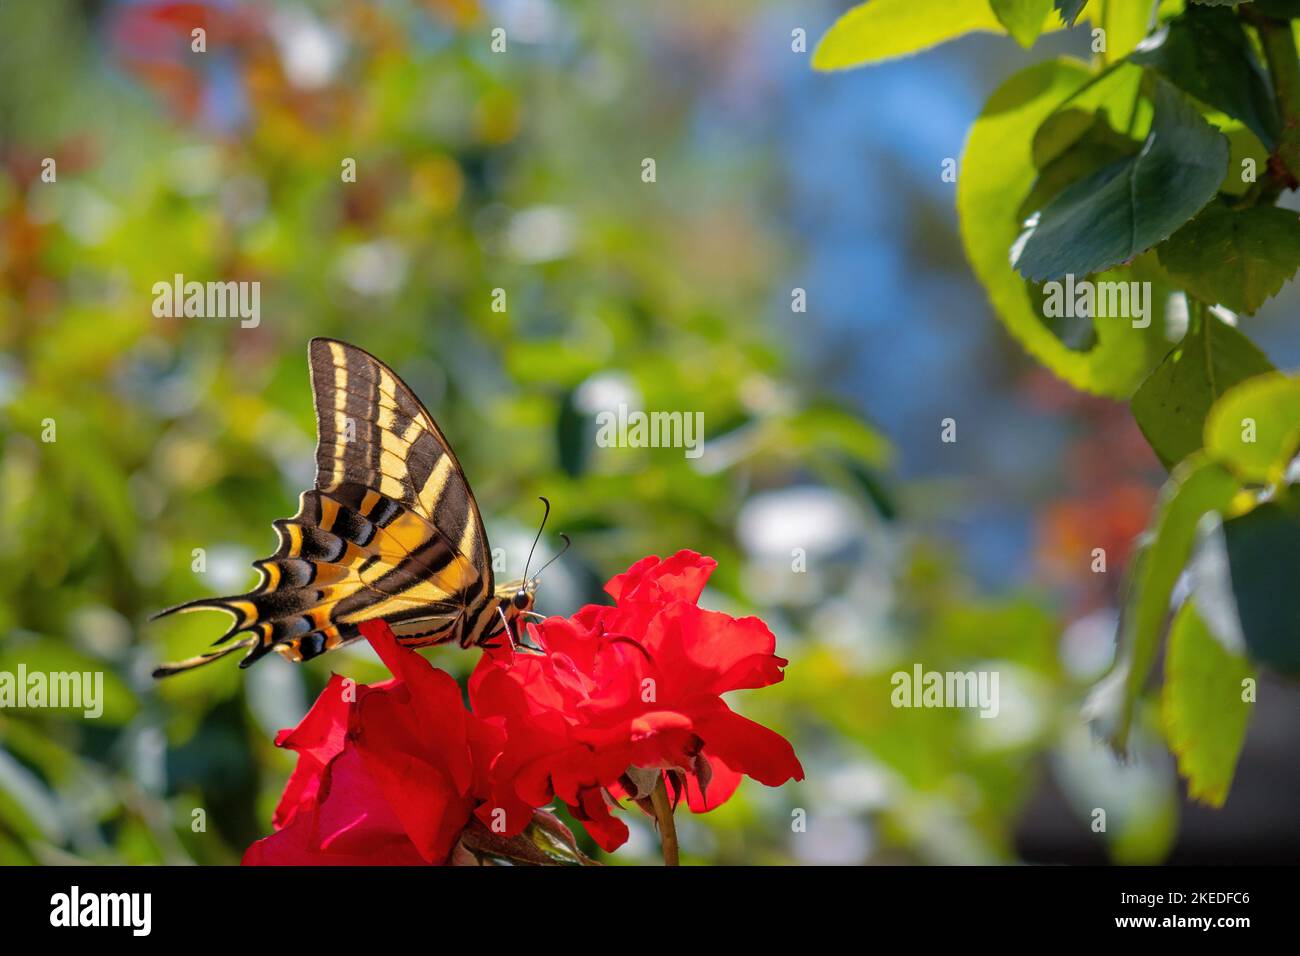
[391,530]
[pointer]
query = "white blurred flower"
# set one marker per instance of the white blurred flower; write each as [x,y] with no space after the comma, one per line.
[540,234]
[820,521]
[101,630]
[309,50]
[604,392]
[276,697]
[1088,644]
[229,568]
[374,268]
[834,840]
[1022,706]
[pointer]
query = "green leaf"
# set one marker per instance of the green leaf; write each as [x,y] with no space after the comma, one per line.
[1126,208]
[1024,19]
[1061,131]
[1206,53]
[1201,706]
[1095,147]
[1254,428]
[1171,405]
[998,169]
[47,655]
[827,427]
[1115,93]
[1196,488]
[1264,561]
[881,30]
[1125,23]
[1242,145]
[1238,258]
[1070,10]
[572,445]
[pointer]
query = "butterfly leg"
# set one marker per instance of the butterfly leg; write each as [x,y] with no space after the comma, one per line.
[517,643]
[509,632]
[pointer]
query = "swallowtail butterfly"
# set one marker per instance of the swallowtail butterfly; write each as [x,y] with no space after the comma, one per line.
[391,530]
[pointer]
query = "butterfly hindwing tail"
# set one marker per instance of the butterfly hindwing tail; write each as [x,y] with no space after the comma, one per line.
[390,531]
[176,667]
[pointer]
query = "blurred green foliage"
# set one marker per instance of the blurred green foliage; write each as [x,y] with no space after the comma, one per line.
[1054,188]
[476,172]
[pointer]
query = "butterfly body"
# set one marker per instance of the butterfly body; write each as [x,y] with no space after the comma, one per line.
[391,530]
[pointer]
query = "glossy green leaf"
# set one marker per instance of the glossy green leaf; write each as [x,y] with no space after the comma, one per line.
[881,30]
[1196,488]
[1096,147]
[998,170]
[1264,560]
[1118,212]
[1254,428]
[1024,19]
[1238,258]
[1206,53]
[1201,707]
[1171,405]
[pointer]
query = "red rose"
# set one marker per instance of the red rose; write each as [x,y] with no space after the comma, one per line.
[388,774]
[631,688]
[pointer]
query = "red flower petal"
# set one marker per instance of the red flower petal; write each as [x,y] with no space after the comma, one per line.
[423,714]
[351,824]
[621,584]
[681,577]
[388,775]
[422,796]
[748,747]
[713,652]
[633,685]
[318,739]
[607,830]
[722,783]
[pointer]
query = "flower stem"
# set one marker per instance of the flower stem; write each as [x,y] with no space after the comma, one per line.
[664,817]
[1278,43]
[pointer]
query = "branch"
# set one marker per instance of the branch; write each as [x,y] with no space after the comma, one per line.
[1278,42]
[663,809]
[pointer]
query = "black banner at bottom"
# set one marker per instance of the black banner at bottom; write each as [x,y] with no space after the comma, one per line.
[232,905]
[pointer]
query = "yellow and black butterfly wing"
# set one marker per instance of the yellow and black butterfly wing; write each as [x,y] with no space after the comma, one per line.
[391,530]
[373,431]
[374,434]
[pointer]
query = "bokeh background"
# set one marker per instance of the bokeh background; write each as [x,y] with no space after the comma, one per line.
[522,171]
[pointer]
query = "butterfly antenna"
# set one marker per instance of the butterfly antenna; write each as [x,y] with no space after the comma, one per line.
[567,542]
[545,514]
